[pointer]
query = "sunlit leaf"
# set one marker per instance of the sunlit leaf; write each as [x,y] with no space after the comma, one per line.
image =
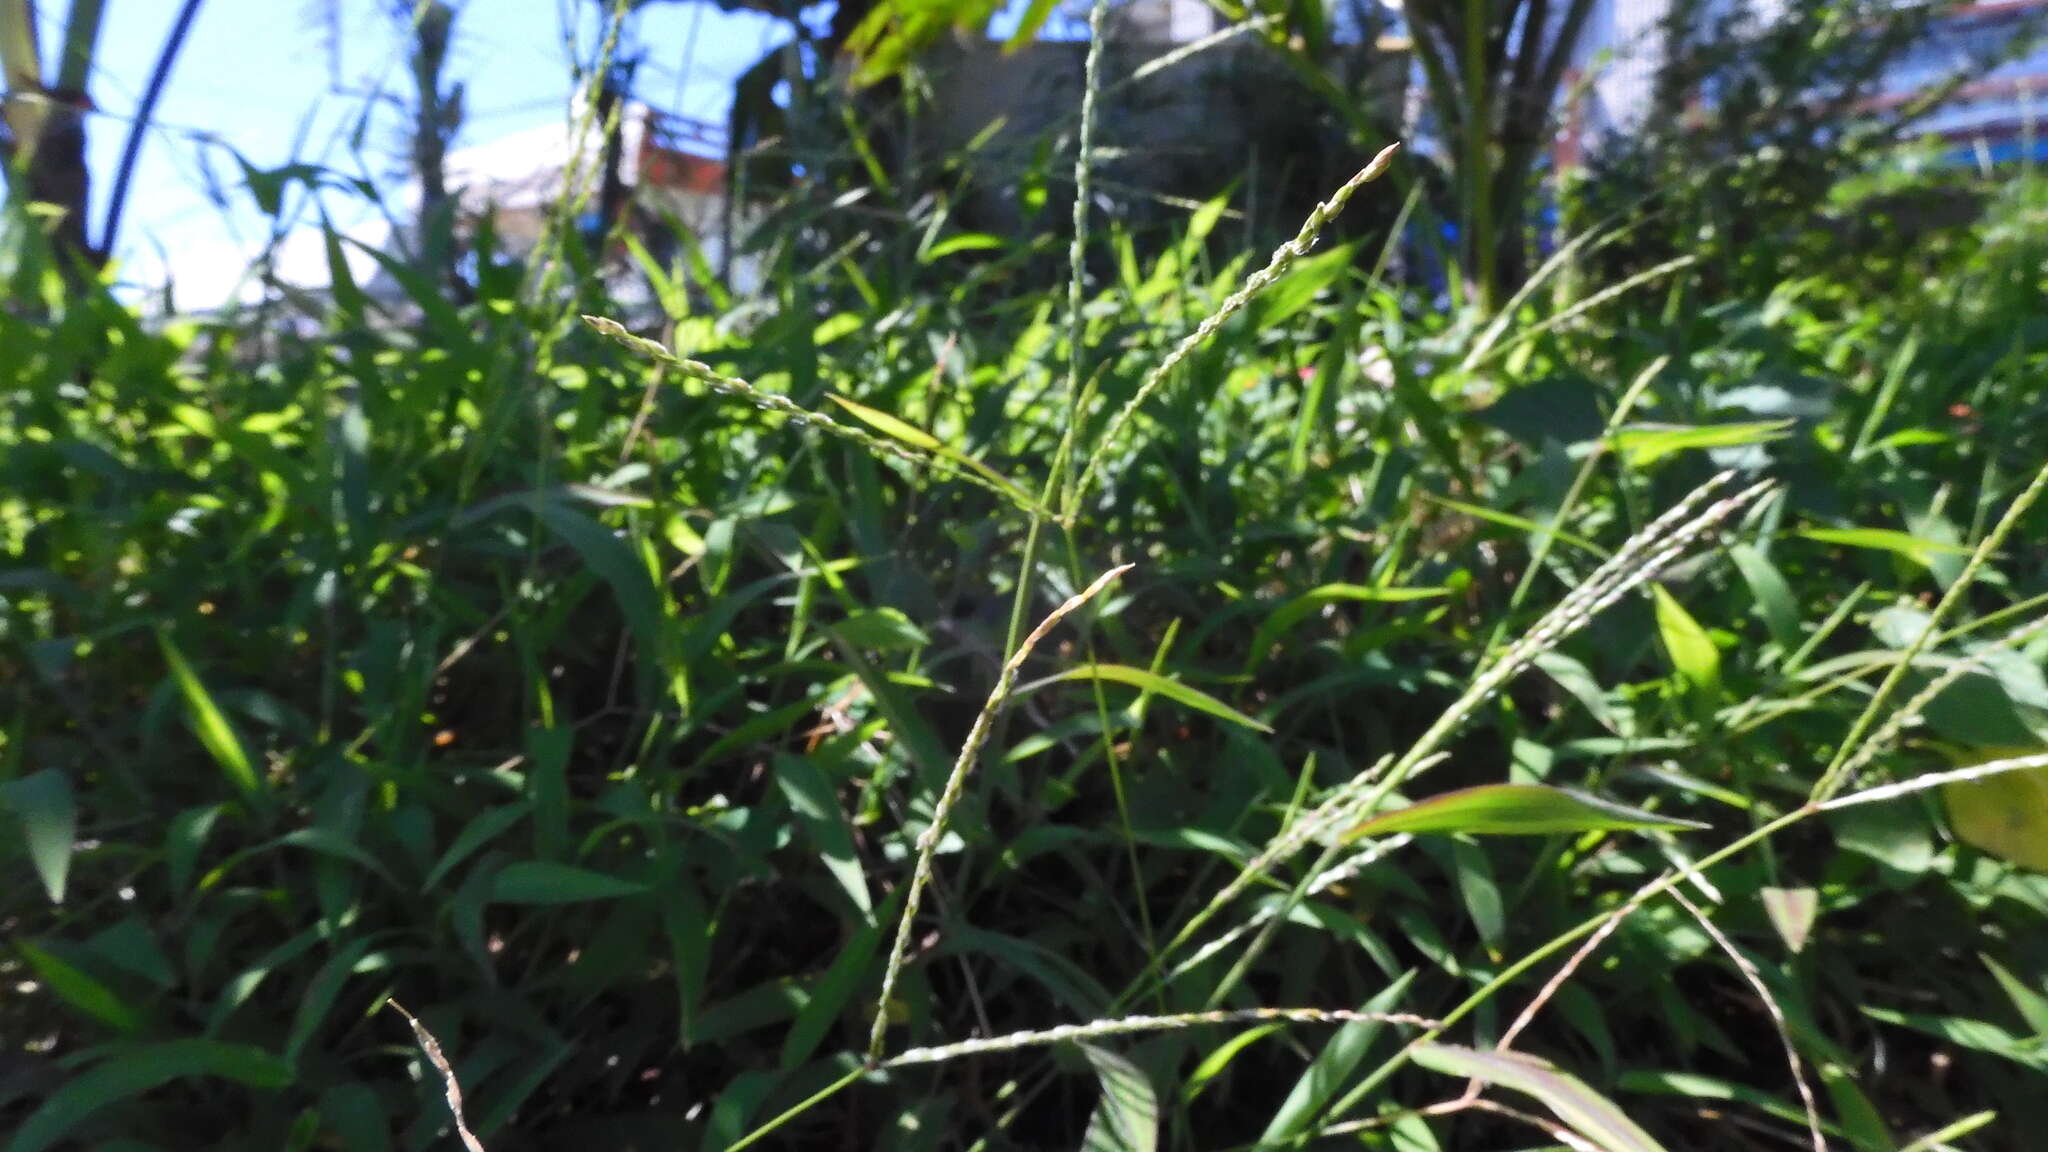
[915,437]
[1691,650]
[962,242]
[1581,1109]
[81,989]
[1287,616]
[1126,1118]
[1157,685]
[209,723]
[2004,815]
[133,1071]
[1792,912]
[885,629]
[1920,551]
[1979,1035]
[1774,599]
[1515,810]
[1644,444]
[2029,1002]
[810,795]
[42,802]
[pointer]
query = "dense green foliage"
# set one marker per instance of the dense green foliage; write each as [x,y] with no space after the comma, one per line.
[463,657]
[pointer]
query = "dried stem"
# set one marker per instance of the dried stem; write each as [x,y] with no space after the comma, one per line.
[1763,992]
[432,1048]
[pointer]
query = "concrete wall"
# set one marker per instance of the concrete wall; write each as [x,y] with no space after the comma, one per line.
[1234,113]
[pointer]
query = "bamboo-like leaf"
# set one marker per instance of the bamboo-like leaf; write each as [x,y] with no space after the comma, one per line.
[810,795]
[1919,550]
[1581,1109]
[1158,685]
[1332,1068]
[48,812]
[209,723]
[2031,1004]
[133,1071]
[81,989]
[1515,810]
[1792,912]
[1646,443]
[539,882]
[1284,618]
[915,437]
[1126,1119]
[1691,650]
[1519,523]
[1774,599]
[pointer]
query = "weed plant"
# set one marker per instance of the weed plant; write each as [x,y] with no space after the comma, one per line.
[1204,708]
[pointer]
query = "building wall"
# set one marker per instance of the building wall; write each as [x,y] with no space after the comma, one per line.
[1622,52]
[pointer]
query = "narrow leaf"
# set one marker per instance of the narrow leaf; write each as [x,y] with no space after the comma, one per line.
[1792,912]
[209,723]
[1774,599]
[1158,685]
[80,989]
[134,1071]
[2032,1005]
[1126,1119]
[539,882]
[810,795]
[1691,650]
[48,812]
[1583,1110]
[1648,443]
[1284,618]
[915,437]
[1515,810]
[1332,1068]
[1920,551]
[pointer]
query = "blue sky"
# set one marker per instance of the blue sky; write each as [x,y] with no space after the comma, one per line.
[259,76]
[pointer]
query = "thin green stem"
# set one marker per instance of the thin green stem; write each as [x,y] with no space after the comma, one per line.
[1283,258]
[808,1103]
[1557,943]
[1839,772]
[970,751]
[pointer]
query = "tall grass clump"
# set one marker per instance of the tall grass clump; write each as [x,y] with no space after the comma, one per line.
[1215,702]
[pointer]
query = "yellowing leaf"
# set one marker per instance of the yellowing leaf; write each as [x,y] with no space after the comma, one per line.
[1691,650]
[1792,912]
[2005,815]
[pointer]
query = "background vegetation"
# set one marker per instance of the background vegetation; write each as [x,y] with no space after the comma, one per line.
[599,705]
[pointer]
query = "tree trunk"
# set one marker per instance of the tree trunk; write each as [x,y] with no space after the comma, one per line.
[57,176]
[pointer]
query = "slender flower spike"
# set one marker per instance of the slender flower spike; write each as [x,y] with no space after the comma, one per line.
[797,414]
